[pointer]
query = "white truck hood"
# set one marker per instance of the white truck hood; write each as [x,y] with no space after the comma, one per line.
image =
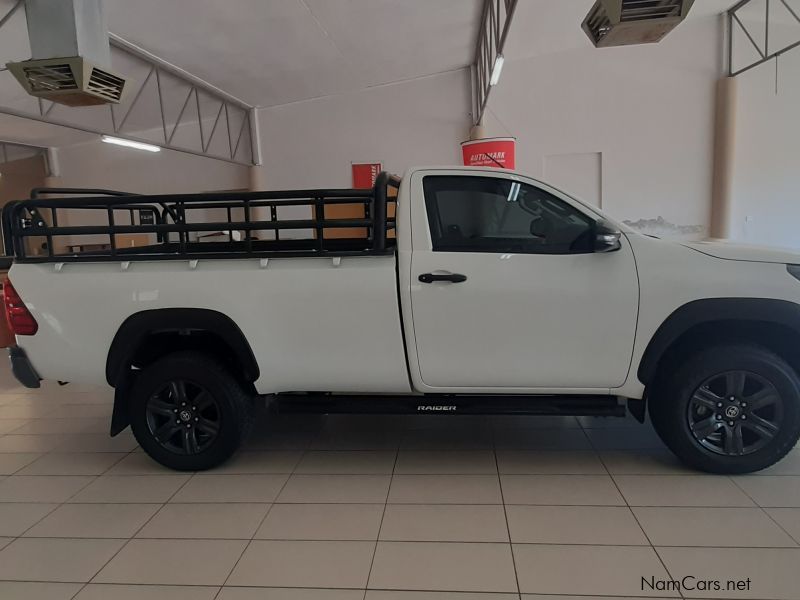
[732,251]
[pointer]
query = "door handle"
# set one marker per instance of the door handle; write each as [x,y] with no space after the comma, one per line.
[451,277]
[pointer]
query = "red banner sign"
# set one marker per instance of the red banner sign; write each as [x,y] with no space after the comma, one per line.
[490,152]
[365,174]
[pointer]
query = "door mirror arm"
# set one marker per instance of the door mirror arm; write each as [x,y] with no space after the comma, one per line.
[606,237]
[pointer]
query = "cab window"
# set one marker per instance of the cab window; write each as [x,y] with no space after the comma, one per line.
[487,214]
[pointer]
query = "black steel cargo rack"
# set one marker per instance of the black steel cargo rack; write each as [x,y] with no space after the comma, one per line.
[36,230]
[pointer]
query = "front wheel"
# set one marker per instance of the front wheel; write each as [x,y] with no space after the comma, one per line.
[728,409]
[188,412]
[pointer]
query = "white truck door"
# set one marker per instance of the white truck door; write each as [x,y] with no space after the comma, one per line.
[507,292]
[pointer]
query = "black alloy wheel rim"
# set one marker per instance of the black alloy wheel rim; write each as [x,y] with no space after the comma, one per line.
[735,413]
[183,417]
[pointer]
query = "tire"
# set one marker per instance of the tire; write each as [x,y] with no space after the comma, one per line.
[188,412]
[698,409]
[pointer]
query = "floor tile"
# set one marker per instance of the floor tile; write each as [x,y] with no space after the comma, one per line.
[612,525]
[85,463]
[223,521]
[360,462]
[585,570]
[788,518]
[788,465]
[549,462]
[9,425]
[644,462]
[681,490]
[358,440]
[444,523]
[25,412]
[335,488]
[278,440]
[68,560]
[447,439]
[231,488]
[14,461]
[104,591]
[304,564]
[624,438]
[685,526]
[252,593]
[36,590]
[62,426]
[271,461]
[445,489]
[16,518]
[443,566]
[46,488]
[97,442]
[560,597]
[94,521]
[772,491]
[322,522]
[136,463]
[446,462]
[81,411]
[502,422]
[411,595]
[173,562]
[146,489]
[588,422]
[773,572]
[598,490]
[30,443]
[5,541]
[542,439]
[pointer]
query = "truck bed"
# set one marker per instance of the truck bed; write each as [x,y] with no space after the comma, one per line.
[288,279]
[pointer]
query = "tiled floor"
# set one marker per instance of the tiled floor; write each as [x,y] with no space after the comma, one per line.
[378,508]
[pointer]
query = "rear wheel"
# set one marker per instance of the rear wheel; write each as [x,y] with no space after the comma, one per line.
[728,409]
[188,412]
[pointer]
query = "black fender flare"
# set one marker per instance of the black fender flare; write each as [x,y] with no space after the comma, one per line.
[137,327]
[709,310]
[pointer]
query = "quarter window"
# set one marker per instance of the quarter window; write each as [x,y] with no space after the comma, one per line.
[487,214]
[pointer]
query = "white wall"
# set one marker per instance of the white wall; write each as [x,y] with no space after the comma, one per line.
[100,165]
[418,122]
[766,184]
[113,167]
[647,109]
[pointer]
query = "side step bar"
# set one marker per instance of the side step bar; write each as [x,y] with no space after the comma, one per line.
[609,406]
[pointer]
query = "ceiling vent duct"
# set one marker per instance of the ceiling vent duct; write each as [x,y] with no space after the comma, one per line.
[626,22]
[70,54]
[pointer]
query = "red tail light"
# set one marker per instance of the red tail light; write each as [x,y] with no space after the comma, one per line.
[19,318]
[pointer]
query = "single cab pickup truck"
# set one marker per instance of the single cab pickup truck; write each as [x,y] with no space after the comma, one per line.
[452,290]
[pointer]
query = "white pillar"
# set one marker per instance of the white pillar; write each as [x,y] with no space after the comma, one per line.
[257,178]
[477,132]
[724,153]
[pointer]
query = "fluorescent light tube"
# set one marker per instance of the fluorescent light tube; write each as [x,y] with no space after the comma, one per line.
[130,144]
[497,69]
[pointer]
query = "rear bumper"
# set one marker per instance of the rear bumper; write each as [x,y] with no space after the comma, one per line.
[22,368]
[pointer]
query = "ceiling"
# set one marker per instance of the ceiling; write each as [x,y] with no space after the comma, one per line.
[265,52]
[543,27]
[273,52]
[270,52]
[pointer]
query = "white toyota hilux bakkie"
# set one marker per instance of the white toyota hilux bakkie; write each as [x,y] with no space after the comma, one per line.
[452,290]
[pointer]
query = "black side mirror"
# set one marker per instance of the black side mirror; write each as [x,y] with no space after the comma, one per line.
[606,237]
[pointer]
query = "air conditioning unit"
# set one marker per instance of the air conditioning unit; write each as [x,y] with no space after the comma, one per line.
[71,54]
[626,22]
[72,81]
